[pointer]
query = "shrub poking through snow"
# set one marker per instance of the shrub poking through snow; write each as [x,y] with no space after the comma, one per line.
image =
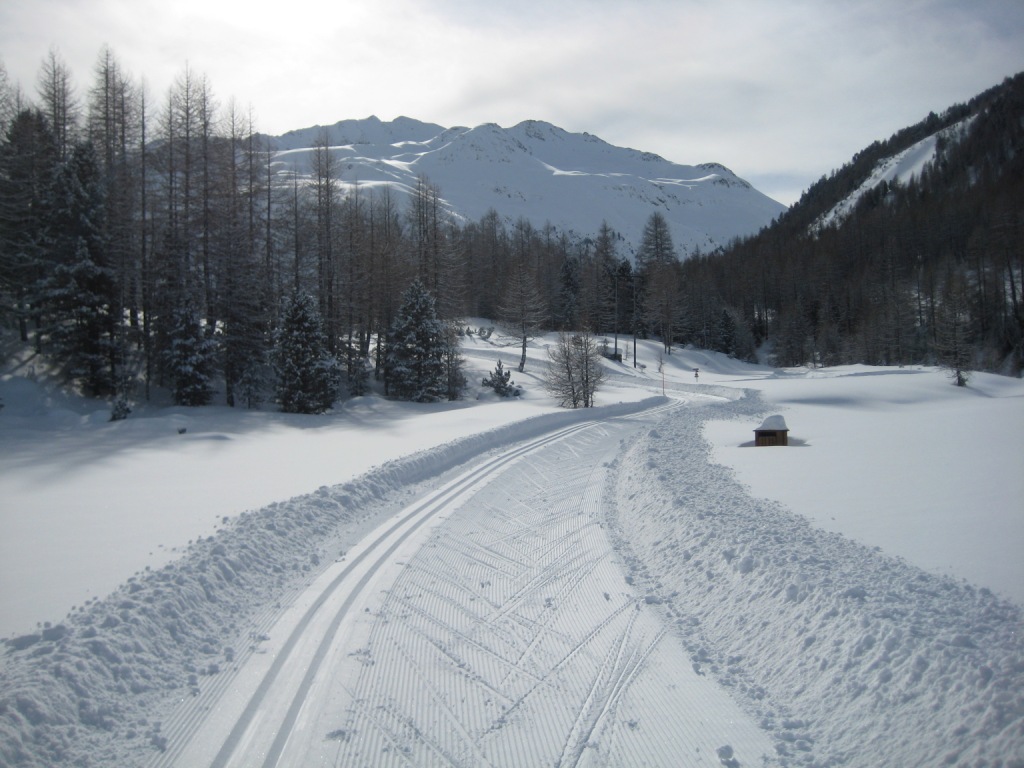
[120,409]
[500,381]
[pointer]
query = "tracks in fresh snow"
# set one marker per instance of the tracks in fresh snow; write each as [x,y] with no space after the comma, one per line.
[344,583]
[488,624]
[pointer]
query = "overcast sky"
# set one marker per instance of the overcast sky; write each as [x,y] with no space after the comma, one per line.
[780,91]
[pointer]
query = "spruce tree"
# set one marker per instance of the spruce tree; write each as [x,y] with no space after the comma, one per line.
[726,336]
[307,374]
[28,168]
[78,291]
[500,380]
[189,357]
[417,345]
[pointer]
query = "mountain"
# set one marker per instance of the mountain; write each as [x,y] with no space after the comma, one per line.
[968,145]
[540,172]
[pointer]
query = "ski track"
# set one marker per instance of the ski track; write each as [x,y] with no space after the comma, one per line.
[274,708]
[530,663]
[122,680]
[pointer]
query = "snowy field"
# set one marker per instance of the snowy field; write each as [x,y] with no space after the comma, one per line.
[854,599]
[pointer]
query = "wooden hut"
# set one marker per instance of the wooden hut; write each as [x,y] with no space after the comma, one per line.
[773,431]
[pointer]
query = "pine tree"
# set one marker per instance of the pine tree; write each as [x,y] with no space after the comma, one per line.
[725,340]
[79,293]
[28,164]
[307,374]
[415,367]
[189,358]
[500,380]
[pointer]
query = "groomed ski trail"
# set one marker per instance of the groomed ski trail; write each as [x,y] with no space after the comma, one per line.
[489,623]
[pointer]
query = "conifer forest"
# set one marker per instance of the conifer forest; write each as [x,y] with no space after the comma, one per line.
[149,240]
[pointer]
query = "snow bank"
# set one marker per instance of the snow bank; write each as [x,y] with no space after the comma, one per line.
[847,655]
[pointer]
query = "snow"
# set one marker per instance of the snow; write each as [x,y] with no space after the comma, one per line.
[776,423]
[88,502]
[901,460]
[852,599]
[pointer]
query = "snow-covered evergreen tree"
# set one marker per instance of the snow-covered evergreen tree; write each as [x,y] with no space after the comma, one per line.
[78,290]
[189,358]
[28,163]
[307,374]
[415,366]
[357,377]
[79,333]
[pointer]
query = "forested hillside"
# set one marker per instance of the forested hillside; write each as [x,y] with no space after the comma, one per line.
[923,269]
[155,244]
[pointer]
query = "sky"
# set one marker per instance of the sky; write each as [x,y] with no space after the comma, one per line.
[781,92]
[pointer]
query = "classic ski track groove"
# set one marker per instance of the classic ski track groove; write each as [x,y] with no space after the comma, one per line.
[420,515]
[185,720]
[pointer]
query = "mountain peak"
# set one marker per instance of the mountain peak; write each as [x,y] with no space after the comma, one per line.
[541,172]
[368,130]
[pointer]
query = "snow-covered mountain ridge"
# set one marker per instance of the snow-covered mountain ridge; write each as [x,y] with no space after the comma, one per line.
[542,173]
[899,168]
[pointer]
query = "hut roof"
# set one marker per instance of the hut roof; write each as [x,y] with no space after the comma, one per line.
[774,424]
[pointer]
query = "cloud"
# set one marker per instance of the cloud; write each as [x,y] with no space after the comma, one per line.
[779,91]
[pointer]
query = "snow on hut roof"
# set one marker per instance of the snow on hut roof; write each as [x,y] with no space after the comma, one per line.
[775,424]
